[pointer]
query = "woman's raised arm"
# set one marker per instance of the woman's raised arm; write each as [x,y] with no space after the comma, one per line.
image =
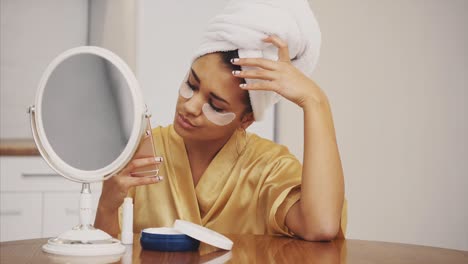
[316,216]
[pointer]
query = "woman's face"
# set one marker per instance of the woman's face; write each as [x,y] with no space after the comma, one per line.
[217,91]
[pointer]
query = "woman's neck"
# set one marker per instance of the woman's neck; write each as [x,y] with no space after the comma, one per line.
[203,152]
[200,155]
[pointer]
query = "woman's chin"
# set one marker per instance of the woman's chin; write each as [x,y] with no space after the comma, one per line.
[183,133]
[177,128]
[198,133]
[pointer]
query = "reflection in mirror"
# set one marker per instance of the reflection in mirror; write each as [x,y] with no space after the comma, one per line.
[87,111]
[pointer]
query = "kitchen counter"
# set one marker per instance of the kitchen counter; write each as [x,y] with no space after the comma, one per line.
[18,147]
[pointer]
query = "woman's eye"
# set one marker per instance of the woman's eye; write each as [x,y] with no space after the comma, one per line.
[219,110]
[191,86]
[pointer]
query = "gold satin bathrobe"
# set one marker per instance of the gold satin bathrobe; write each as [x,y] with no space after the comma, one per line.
[248,188]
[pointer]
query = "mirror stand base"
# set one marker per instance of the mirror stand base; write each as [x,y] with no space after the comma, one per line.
[84,242]
[84,239]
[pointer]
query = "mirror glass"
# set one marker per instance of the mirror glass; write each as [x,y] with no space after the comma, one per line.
[87,111]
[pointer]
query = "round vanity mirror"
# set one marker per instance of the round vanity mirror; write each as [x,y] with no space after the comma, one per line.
[89,114]
[88,121]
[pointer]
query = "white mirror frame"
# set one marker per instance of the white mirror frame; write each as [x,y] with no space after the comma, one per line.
[138,129]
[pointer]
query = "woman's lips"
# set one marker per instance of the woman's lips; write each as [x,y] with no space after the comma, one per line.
[185,123]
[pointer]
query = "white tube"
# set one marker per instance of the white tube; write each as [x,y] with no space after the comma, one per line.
[127,222]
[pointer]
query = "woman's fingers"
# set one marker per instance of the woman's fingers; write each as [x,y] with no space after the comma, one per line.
[137,181]
[261,86]
[129,180]
[283,55]
[266,69]
[138,163]
[116,188]
[125,183]
[256,62]
[283,51]
[255,74]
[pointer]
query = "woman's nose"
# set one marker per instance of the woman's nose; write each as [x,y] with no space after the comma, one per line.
[193,106]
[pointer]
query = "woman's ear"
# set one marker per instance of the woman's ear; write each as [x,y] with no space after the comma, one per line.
[247,120]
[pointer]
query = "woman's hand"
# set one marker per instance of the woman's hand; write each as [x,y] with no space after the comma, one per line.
[114,190]
[280,76]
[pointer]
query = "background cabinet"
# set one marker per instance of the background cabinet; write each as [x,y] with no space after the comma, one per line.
[61,211]
[20,215]
[35,201]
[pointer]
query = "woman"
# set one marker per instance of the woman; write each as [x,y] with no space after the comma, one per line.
[219,176]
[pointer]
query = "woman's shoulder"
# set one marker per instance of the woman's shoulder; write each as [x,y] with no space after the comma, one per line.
[270,156]
[257,146]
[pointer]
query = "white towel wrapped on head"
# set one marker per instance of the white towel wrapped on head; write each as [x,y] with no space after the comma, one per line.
[244,23]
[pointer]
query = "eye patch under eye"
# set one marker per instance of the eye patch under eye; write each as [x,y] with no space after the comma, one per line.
[220,119]
[185,91]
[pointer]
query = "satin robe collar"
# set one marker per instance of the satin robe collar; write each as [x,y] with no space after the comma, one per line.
[201,199]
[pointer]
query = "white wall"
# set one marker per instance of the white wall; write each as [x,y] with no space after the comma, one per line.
[32,33]
[396,73]
[112,26]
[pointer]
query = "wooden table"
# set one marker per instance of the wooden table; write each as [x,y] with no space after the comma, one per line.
[252,249]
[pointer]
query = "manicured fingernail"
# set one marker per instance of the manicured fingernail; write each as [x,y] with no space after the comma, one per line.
[158,159]
[158,178]
[234,60]
[242,85]
[236,72]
